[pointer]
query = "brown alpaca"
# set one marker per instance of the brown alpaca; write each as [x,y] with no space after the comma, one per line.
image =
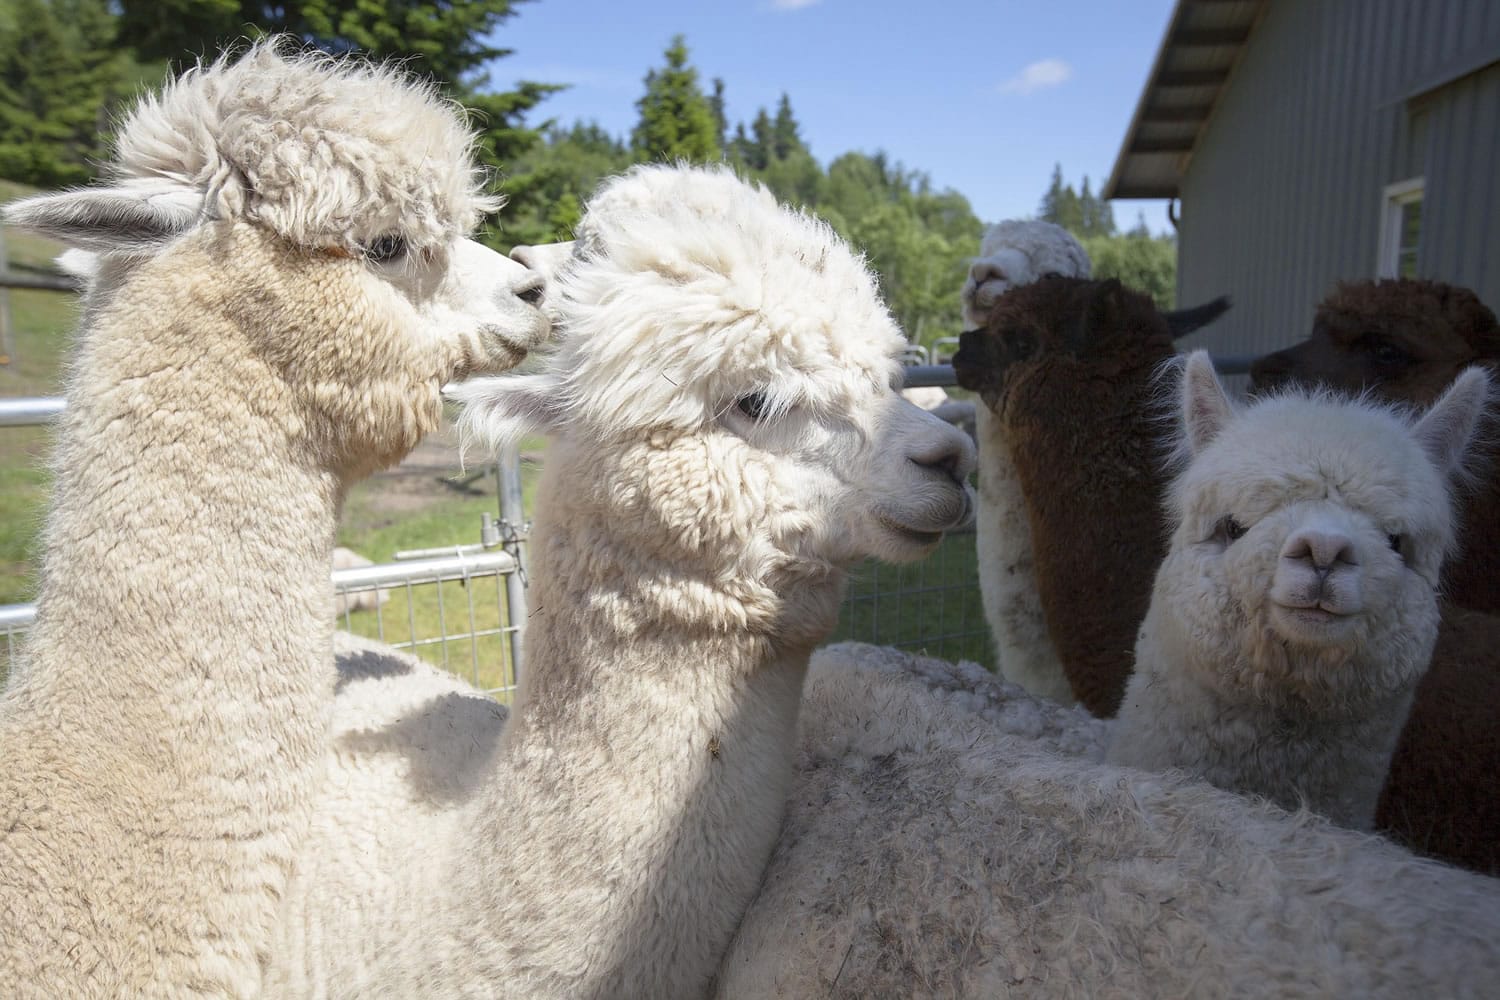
[1065,366]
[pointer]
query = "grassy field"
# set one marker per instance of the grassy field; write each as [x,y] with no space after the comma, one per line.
[937,609]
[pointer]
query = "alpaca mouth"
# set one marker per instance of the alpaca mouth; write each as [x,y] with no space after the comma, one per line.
[916,536]
[1316,623]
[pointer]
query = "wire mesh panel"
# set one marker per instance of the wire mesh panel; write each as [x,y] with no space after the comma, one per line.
[931,607]
[452,611]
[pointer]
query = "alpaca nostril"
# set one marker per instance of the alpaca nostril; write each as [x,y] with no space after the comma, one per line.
[1322,549]
[531,291]
[948,462]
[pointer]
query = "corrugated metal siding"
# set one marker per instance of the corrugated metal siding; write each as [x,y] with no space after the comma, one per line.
[1283,196]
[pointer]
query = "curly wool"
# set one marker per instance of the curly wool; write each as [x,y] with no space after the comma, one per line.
[327,152]
[948,835]
[163,734]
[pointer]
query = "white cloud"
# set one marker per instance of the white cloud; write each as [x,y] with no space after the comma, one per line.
[793,4]
[1038,76]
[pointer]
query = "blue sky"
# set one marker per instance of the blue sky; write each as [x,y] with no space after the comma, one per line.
[984,95]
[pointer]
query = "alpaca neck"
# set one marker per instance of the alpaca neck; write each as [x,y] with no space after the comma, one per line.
[179,673]
[646,763]
[191,535]
[1253,743]
[1024,652]
[1096,543]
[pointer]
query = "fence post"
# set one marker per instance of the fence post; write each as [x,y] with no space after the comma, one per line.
[513,528]
[7,343]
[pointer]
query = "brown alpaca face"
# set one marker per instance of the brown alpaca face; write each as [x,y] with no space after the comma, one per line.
[1404,340]
[1052,321]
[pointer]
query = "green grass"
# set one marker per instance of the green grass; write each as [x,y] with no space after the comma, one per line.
[930,607]
[41,329]
[447,609]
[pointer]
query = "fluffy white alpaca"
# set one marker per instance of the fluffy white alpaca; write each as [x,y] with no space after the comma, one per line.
[1018,252]
[727,440]
[1296,609]
[283,286]
[1014,252]
[950,836]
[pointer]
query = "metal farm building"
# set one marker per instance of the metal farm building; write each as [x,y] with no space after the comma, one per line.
[1309,141]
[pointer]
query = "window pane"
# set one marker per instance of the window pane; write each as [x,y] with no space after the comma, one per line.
[1411,231]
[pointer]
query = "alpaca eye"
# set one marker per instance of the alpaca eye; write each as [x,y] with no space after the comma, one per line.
[1386,354]
[1228,530]
[386,248]
[1397,542]
[752,405]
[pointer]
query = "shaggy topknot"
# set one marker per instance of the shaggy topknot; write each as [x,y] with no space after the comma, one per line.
[306,144]
[1413,306]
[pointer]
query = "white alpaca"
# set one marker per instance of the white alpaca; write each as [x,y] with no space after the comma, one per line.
[728,439]
[1296,609]
[283,284]
[1014,252]
[950,836]
[1018,252]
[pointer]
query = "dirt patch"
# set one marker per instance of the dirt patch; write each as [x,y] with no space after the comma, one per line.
[433,472]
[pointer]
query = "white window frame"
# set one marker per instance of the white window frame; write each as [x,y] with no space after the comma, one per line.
[1394,198]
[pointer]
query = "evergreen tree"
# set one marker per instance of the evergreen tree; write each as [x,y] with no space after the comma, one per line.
[676,120]
[785,140]
[763,140]
[741,149]
[1098,217]
[721,124]
[1061,204]
[61,76]
[447,42]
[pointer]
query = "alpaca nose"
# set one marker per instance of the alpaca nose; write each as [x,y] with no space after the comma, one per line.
[1322,549]
[951,456]
[985,270]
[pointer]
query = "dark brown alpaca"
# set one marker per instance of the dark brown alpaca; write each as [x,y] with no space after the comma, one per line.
[1067,366]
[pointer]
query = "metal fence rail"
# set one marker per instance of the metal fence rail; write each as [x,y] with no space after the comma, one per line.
[480,590]
[475,626]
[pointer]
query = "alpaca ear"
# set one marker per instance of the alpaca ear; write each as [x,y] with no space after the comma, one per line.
[1447,429]
[502,409]
[1205,406]
[1181,322]
[132,218]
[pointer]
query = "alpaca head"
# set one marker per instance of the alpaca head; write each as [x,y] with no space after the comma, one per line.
[1051,328]
[726,368]
[340,196]
[1307,537]
[1404,339]
[1018,252]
